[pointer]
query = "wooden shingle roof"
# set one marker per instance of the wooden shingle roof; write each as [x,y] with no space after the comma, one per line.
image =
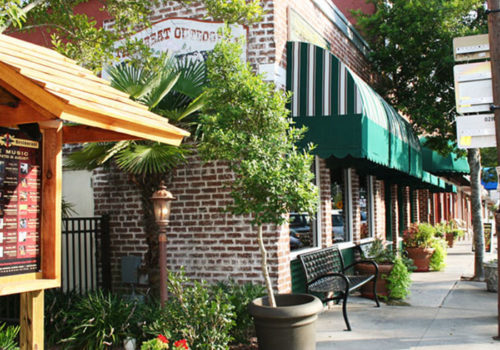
[50,86]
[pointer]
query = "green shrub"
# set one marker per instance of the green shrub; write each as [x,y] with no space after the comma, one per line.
[240,295]
[196,312]
[437,262]
[100,321]
[8,337]
[419,236]
[399,281]
[58,306]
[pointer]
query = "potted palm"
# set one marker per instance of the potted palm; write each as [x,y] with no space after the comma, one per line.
[393,281]
[418,240]
[245,124]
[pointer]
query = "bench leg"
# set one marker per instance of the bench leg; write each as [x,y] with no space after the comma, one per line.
[375,292]
[344,311]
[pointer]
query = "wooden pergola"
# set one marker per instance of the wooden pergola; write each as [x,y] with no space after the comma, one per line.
[42,89]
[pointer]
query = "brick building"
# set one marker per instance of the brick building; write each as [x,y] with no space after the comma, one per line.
[368,161]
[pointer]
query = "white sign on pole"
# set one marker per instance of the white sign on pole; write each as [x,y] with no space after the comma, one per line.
[472,47]
[477,131]
[473,88]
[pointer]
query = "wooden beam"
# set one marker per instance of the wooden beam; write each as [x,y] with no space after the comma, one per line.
[51,202]
[6,98]
[31,320]
[22,114]
[82,133]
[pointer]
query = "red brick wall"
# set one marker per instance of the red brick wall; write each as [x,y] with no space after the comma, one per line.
[379,209]
[325,211]
[423,205]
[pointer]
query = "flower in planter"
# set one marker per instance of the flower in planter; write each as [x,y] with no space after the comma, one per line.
[419,236]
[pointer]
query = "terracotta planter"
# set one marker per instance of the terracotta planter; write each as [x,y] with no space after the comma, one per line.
[291,325]
[421,258]
[369,269]
[450,239]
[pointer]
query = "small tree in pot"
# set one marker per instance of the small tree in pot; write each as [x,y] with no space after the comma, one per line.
[245,124]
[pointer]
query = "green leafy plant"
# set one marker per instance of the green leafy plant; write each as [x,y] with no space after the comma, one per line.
[419,236]
[399,280]
[438,258]
[161,342]
[8,337]
[380,253]
[196,312]
[101,320]
[58,308]
[240,295]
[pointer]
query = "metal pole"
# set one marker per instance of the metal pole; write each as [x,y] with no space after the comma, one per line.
[494,38]
[162,257]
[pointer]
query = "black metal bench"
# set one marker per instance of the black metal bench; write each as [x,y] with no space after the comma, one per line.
[326,275]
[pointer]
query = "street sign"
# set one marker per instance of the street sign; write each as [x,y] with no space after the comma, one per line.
[476,131]
[473,47]
[473,88]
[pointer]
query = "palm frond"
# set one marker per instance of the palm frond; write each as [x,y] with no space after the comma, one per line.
[150,158]
[161,88]
[134,81]
[194,106]
[192,79]
[91,156]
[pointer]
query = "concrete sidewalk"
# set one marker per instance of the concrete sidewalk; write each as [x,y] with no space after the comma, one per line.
[443,312]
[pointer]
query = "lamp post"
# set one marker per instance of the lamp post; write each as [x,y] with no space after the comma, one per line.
[162,200]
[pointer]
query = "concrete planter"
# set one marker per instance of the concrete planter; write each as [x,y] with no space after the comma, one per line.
[491,276]
[421,258]
[291,325]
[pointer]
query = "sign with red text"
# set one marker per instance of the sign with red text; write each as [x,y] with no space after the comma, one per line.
[20,186]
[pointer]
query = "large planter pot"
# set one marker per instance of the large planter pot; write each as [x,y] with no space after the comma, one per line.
[450,238]
[491,276]
[421,257]
[369,269]
[291,325]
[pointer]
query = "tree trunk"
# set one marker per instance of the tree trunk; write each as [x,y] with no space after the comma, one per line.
[265,271]
[474,159]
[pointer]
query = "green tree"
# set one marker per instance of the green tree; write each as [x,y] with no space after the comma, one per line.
[173,90]
[246,125]
[411,44]
[76,35]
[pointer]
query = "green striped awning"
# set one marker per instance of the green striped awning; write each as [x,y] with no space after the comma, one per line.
[346,118]
[435,163]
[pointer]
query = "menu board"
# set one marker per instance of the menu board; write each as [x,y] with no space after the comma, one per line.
[20,186]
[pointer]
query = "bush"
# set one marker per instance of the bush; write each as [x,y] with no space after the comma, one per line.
[196,312]
[240,295]
[437,262]
[58,306]
[8,337]
[101,320]
[419,236]
[399,280]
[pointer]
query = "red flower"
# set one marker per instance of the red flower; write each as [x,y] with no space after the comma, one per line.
[181,344]
[162,338]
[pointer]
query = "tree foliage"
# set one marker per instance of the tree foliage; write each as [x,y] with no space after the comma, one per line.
[246,125]
[411,44]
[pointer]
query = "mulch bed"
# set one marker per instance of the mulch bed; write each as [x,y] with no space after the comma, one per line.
[252,346]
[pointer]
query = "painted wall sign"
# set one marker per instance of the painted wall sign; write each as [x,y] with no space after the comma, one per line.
[20,186]
[184,37]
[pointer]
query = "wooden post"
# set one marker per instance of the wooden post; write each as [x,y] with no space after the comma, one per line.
[494,39]
[31,320]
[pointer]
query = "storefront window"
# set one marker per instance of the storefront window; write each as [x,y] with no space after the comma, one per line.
[366,204]
[340,180]
[304,228]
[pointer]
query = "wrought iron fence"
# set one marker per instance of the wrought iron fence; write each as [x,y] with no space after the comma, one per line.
[84,259]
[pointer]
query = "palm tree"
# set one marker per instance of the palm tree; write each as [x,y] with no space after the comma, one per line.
[173,90]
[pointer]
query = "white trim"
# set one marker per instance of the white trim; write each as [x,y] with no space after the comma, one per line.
[345,245]
[348,200]
[367,240]
[371,206]
[310,80]
[319,234]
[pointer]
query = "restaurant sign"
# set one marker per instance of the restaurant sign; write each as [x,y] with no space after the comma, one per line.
[20,186]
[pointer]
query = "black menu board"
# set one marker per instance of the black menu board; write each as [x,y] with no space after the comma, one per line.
[20,188]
